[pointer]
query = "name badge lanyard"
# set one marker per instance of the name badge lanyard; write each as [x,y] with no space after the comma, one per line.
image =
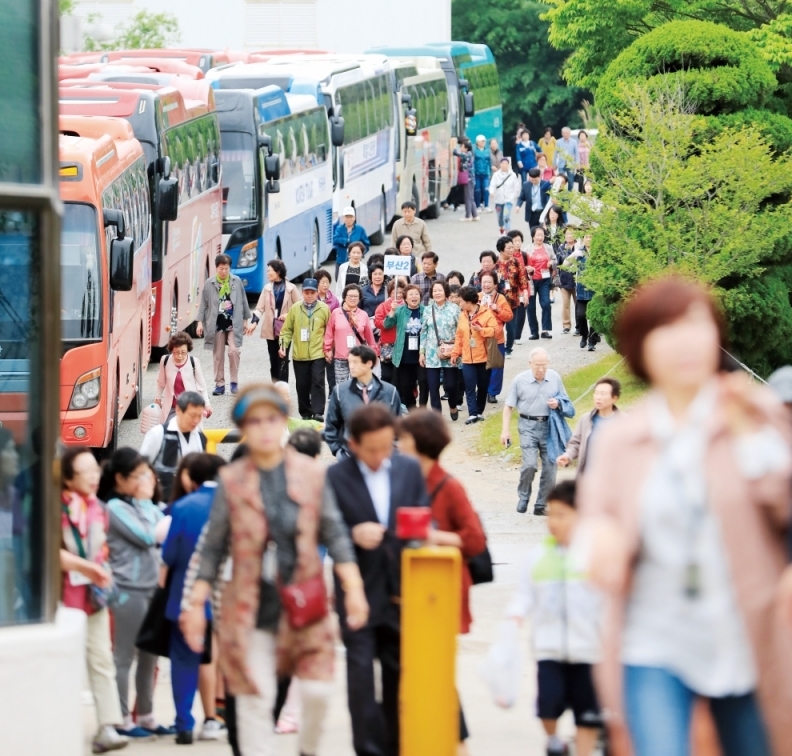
[310,315]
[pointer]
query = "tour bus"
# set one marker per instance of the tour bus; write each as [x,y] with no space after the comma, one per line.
[291,220]
[202,59]
[150,64]
[471,69]
[424,169]
[105,278]
[359,88]
[181,140]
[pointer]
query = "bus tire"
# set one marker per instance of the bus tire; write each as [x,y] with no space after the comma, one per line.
[433,208]
[378,237]
[136,405]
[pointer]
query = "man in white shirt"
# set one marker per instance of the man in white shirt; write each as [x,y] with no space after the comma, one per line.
[165,445]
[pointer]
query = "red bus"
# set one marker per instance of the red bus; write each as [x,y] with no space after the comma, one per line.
[181,140]
[205,60]
[105,278]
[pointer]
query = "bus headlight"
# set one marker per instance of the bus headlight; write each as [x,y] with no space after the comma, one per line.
[87,390]
[248,255]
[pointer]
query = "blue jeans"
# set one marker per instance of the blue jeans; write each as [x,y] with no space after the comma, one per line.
[659,708]
[184,678]
[570,177]
[481,191]
[476,378]
[504,216]
[542,293]
[496,375]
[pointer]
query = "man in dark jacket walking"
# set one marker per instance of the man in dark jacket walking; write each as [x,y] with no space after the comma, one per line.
[370,486]
[568,285]
[535,194]
[362,388]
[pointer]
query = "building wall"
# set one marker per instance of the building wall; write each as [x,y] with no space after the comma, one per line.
[336,25]
[42,669]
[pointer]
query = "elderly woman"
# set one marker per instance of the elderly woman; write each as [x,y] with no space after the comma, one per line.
[406,349]
[179,371]
[438,333]
[266,626]
[354,270]
[405,246]
[348,327]
[684,511]
[273,305]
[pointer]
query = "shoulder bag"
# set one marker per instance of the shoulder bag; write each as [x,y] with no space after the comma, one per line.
[351,322]
[444,348]
[479,566]
[495,359]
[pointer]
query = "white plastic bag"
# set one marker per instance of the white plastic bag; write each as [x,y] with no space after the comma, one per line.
[501,668]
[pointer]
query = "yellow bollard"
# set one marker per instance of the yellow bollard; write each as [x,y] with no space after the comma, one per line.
[215,436]
[430,615]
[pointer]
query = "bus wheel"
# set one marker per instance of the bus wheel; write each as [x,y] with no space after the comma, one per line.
[136,405]
[378,237]
[433,208]
[315,261]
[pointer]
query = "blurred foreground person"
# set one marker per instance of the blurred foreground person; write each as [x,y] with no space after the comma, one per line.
[86,585]
[271,510]
[684,507]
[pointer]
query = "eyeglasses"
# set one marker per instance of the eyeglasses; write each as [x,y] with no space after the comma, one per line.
[180,352]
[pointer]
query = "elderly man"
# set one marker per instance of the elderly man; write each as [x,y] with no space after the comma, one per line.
[565,159]
[415,228]
[539,396]
[425,280]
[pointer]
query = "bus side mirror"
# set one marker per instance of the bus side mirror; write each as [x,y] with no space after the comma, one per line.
[411,122]
[115,218]
[337,130]
[168,201]
[272,187]
[122,260]
[272,167]
[406,99]
[470,108]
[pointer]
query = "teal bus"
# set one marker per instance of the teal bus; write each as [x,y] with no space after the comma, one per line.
[468,68]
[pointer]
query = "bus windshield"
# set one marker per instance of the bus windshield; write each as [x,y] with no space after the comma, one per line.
[239,175]
[81,281]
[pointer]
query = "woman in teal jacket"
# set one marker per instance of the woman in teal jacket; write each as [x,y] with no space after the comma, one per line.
[407,347]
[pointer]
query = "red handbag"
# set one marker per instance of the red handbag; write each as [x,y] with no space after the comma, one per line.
[305,603]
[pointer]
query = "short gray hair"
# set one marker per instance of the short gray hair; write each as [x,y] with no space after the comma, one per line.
[190,399]
[536,351]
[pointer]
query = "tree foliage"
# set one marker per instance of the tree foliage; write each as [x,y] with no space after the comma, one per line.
[720,69]
[143,30]
[598,30]
[532,88]
[717,211]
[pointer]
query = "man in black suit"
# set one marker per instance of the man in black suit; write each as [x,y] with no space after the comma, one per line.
[370,486]
[536,194]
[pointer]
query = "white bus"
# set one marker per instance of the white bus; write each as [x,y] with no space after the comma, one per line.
[360,89]
[424,166]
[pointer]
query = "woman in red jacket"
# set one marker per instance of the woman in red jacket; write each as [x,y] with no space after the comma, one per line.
[388,335]
[423,434]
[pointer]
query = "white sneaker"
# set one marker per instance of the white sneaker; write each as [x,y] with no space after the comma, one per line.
[464,220]
[487,209]
[518,341]
[212,730]
[477,218]
[508,355]
[107,739]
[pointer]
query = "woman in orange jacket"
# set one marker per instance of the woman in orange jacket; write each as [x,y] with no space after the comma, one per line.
[475,326]
[501,309]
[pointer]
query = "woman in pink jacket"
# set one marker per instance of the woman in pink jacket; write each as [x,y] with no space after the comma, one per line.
[348,327]
[179,371]
[684,514]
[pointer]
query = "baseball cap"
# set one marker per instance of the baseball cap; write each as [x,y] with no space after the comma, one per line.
[349,210]
[255,395]
[481,138]
[311,284]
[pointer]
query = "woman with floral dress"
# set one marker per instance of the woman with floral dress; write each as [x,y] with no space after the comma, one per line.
[438,332]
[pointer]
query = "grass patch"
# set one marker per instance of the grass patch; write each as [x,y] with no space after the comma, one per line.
[577,384]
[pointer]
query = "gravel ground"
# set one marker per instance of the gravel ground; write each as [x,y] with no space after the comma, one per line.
[491,486]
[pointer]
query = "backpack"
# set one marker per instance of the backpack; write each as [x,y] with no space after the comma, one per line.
[192,362]
[166,463]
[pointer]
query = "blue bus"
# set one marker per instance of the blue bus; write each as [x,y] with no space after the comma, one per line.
[361,164]
[467,67]
[290,220]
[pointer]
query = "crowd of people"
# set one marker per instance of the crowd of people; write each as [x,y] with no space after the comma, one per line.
[664,563]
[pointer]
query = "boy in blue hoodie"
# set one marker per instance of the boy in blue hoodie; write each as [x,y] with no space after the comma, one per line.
[565,627]
[526,154]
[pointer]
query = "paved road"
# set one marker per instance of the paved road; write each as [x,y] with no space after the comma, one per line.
[492,486]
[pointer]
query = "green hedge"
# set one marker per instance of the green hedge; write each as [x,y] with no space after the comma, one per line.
[721,70]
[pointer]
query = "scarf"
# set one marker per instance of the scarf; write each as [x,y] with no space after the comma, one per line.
[85,516]
[309,650]
[225,288]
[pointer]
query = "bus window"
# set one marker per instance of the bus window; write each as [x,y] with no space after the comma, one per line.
[81,282]
[239,184]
